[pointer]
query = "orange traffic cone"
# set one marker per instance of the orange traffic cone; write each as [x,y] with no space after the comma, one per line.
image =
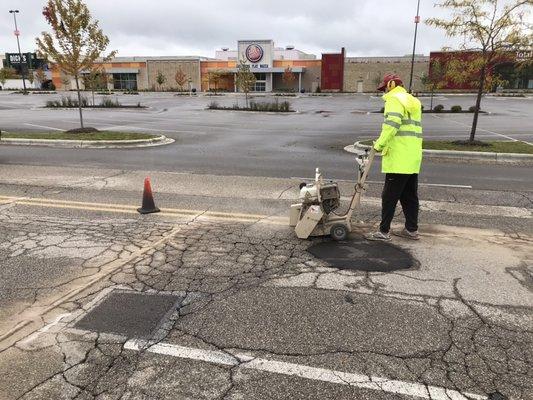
[148,199]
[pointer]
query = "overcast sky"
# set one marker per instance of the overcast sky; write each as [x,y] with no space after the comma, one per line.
[199,27]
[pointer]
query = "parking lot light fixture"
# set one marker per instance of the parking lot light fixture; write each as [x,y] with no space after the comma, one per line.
[17,34]
[417,20]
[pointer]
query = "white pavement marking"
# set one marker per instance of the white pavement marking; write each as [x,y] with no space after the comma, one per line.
[481,129]
[45,328]
[381,182]
[304,371]
[46,127]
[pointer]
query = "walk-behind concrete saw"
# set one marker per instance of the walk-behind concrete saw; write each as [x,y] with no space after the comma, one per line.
[315,214]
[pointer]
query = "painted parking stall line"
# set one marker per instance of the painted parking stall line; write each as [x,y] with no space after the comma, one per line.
[357,380]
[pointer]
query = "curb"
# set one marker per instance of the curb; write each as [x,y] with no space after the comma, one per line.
[89,144]
[468,156]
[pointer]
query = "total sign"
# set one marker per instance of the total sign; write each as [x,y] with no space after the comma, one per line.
[257,53]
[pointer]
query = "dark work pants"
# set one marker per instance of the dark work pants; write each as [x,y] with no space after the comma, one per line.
[403,187]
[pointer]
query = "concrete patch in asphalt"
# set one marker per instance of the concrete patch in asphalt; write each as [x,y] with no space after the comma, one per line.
[362,255]
[130,314]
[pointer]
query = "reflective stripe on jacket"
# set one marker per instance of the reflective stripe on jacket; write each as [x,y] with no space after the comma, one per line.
[400,141]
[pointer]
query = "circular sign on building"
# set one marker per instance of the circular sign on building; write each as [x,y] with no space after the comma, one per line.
[254,53]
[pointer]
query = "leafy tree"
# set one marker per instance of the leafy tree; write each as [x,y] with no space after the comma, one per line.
[490,28]
[94,80]
[76,40]
[436,78]
[65,81]
[288,78]
[160,78]
[181,78]
[245,79]
[214,77]
[5,74]
[40,76]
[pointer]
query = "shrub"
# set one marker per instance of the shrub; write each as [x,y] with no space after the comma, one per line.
[276,106]
[109,103]
[438,108]
[472,109]
[382,110]
[213,105]
[456,109]
[318,90]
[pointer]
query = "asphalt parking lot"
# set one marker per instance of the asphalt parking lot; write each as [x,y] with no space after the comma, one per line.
[237,143]
[216,298]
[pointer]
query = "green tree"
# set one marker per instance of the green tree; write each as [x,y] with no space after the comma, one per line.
[436,78]
[288,78]
[160,78]
[490,28]
[94,80]
[245,79]
[76,40]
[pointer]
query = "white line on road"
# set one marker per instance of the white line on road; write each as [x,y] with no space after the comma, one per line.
[304,371]
[46,127]
[381,182]
[480,129]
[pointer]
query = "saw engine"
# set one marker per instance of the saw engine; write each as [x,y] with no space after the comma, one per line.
[324,194]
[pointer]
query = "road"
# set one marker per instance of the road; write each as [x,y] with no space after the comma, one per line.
[233,143]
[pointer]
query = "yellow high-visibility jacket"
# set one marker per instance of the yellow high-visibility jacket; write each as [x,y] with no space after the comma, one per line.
[400,141]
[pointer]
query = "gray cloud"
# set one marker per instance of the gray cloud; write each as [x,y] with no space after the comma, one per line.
[170,27]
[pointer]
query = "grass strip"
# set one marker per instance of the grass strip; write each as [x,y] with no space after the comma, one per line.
[102,135]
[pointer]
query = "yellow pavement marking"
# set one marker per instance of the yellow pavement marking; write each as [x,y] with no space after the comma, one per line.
[130,209]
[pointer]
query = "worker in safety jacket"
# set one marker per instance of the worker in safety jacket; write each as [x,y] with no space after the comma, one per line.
[400,144]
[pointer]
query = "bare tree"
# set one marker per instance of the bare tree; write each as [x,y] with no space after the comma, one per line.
[181,78]
[76,40]
[288,78]
[214,77]
[492,29]
[40,76]
[245,79]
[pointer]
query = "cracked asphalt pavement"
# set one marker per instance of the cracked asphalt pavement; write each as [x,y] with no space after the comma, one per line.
[216,298]
[258,316]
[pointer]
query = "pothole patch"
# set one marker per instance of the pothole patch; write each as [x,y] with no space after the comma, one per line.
[130,314]
[363,255]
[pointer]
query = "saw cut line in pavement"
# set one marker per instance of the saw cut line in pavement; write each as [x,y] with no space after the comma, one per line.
[362,255]
[134,315]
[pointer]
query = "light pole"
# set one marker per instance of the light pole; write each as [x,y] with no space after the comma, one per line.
[17,33]
[417,20]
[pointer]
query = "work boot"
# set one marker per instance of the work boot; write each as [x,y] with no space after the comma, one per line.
[407,234]
[378,236]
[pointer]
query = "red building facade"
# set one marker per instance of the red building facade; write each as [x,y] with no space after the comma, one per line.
[332,74]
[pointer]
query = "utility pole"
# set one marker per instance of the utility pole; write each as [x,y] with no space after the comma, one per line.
[17,34]
[417,20]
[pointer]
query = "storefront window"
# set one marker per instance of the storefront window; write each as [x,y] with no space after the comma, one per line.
[125,81]
[260,83]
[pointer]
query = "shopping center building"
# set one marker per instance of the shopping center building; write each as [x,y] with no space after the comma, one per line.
[332,72]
